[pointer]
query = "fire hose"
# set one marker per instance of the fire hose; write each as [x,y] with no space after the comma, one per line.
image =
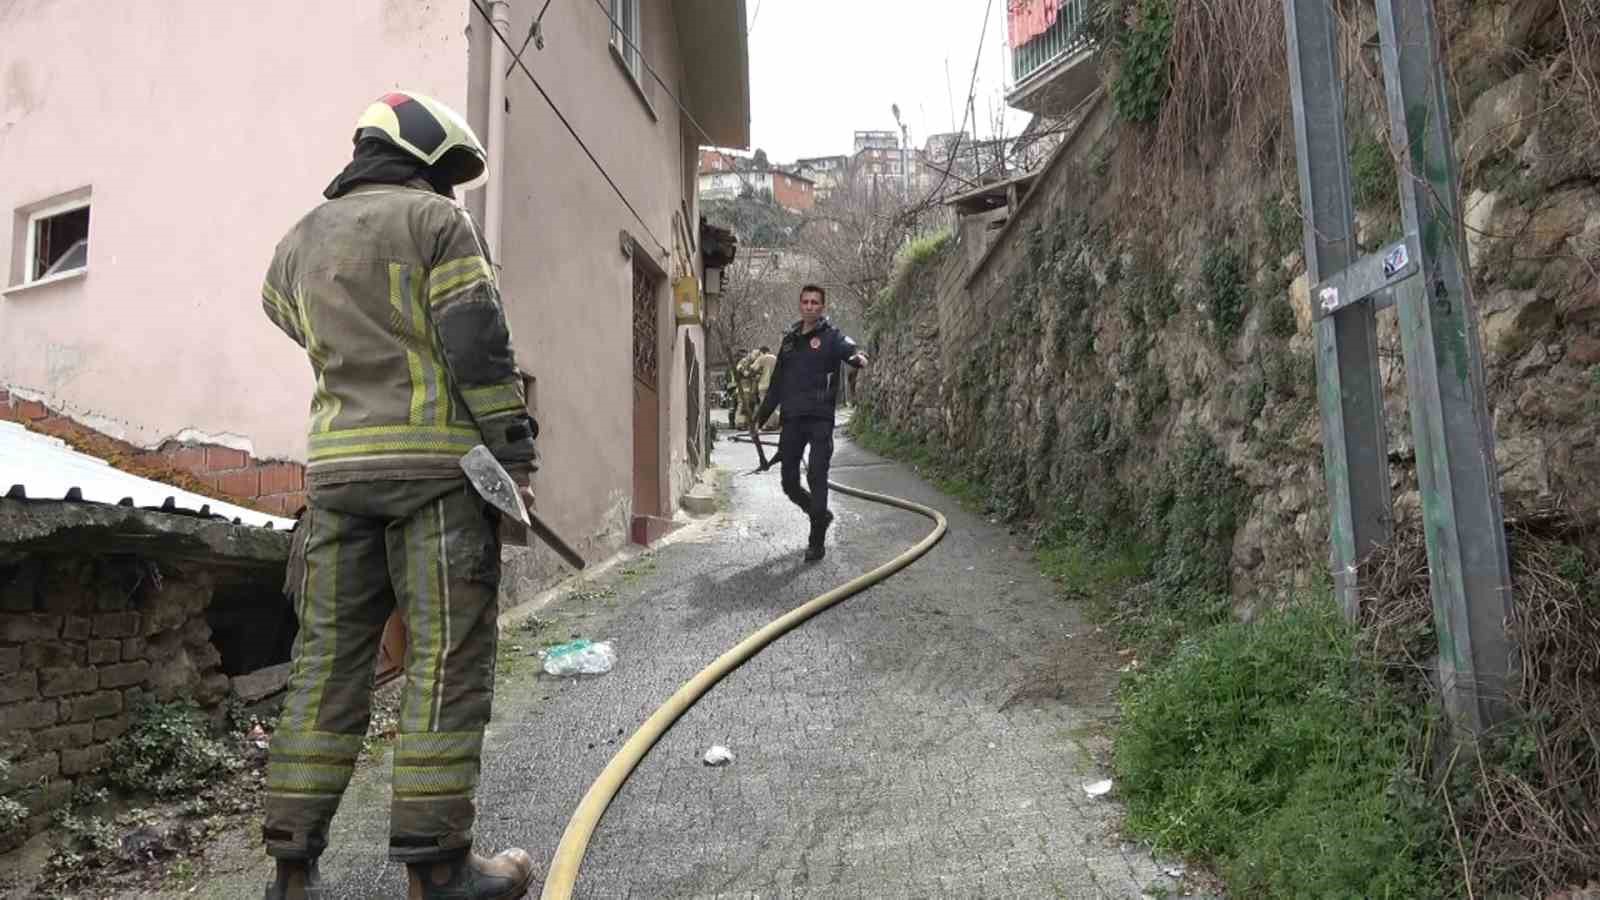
[569,853]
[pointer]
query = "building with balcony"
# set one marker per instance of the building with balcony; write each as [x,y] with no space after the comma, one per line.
[1054,66]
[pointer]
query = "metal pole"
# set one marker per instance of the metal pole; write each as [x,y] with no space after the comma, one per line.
[1453,432]
[1349,386]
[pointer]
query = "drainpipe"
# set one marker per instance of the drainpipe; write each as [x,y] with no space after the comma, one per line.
[494,191]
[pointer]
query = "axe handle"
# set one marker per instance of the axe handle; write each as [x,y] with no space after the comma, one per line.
[556,542]
[755,437]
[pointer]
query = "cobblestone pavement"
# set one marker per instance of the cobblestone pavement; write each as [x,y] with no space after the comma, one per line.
[922,739]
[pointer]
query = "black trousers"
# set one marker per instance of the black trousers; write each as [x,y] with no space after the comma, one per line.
[796,437]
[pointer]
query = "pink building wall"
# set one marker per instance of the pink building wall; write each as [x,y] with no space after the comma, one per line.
[203,130]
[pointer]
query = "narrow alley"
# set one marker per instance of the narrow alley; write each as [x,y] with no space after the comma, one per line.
[901,744]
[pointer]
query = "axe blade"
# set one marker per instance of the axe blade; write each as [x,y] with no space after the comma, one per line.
[495,485]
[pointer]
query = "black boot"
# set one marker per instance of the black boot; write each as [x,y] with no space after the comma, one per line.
[819,532]
[297,879]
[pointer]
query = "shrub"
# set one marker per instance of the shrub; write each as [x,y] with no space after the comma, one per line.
[1222,274]
[1264,748]
[1372,172]
[1140,83]
[1194,511]
[169,752]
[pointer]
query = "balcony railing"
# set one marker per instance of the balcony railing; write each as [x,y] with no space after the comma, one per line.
[1063,39]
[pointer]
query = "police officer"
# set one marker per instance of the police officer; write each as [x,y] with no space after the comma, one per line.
[388,288]
[806,383]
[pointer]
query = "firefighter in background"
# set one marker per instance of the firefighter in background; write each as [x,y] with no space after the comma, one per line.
[388,287]
[749,377]
[735,394]
[765,362]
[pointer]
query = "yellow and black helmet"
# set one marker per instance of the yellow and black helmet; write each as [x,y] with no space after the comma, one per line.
[428,130]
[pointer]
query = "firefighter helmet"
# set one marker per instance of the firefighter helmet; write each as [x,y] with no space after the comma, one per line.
[428,130]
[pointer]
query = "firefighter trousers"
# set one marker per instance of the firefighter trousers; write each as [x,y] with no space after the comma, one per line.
[432,547]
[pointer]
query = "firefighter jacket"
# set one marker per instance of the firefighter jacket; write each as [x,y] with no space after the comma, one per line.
[390,292]
[806,379]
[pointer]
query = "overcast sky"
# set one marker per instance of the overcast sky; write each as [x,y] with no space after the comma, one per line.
[821,69]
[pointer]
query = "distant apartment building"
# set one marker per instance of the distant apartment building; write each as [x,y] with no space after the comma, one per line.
[824,172]
[876,140]
[794,193]
[713,160]
[953,161]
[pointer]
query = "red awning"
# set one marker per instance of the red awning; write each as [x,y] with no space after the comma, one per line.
[1027,19]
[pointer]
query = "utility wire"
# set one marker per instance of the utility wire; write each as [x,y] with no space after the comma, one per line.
[972,87]
[638,53]
[489,21]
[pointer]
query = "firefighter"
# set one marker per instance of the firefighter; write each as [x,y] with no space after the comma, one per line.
[765,363]
[389,289]
[735,390]
[806,383]
[749,385]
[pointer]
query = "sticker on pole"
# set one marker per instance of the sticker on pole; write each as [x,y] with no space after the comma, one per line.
[1396,260]
[1330,299]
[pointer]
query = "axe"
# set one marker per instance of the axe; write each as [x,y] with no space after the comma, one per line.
[761,453]
[495,485]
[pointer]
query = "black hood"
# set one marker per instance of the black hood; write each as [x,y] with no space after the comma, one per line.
[379,162]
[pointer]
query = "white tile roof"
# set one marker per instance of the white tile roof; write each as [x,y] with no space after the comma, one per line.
[39,467]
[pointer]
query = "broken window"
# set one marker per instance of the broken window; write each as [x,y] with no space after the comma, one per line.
[58,241]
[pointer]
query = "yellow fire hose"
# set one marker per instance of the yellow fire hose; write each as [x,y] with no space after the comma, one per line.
[575,841]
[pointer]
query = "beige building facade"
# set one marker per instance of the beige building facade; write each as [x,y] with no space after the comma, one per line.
[155,153]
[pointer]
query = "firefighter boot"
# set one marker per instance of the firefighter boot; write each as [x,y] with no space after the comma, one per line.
[297,879]
[505,876]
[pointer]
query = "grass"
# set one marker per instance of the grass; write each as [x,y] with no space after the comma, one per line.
[915,258]
[926,461]
[1266,751]
[631,572]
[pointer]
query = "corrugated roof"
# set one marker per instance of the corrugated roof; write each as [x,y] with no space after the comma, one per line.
[40,467]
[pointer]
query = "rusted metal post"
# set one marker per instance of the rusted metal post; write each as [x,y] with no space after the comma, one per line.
[1468,562]
[1349,387]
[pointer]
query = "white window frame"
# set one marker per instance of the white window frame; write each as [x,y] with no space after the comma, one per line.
[630,13]
[31,241]
[626,12]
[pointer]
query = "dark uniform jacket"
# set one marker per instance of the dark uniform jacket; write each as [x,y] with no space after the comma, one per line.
[806,381]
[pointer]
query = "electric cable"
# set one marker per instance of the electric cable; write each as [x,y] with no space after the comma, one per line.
[638,51]
[487,20]
[564,865]
[972,88]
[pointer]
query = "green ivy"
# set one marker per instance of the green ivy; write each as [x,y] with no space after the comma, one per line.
[1282,220]
[1194,511]
[1227,293]
[1140,84]
[1373,175]
[1150,393]
[169,752]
